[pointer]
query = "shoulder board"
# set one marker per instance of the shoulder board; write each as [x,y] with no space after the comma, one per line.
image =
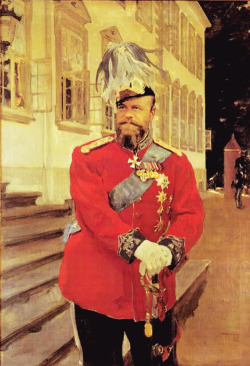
[168,147]
[95,144]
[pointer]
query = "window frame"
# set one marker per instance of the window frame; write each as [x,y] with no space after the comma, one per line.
[199,126]
[199,56]
[175,126]
[184,117]
[41,94]
[191,121]
[191,48]
[208,140]
[21,114]
[184,40]
[110,34]
[74,22]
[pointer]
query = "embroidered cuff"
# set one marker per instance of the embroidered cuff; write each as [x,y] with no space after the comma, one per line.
[177,247]
[128,243]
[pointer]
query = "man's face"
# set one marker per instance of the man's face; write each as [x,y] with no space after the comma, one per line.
[133,119]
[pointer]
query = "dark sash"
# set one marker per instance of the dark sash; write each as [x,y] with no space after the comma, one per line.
[132,188]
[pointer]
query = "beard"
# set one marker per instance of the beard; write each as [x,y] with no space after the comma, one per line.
[129,140]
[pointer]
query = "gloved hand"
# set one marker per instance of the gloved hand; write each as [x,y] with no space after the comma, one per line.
[154,257]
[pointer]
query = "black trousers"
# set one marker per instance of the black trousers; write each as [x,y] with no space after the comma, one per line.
[238,194]
[101,339]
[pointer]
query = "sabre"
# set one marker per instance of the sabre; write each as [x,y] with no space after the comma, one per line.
[152,289]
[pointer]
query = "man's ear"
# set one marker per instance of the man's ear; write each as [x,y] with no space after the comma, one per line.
[153,109]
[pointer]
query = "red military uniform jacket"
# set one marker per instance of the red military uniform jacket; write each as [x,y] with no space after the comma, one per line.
[94,273]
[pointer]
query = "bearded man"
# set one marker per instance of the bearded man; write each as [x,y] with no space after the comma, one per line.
[139,213]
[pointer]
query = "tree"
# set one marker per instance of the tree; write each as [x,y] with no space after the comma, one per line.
[227,77]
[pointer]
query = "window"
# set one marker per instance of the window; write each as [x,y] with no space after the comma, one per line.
[184,40]
[15,74]
[191,49]
[184,119]
[165,114]
[199,57]
[171,27]
[11,87]
[74,106]
[199,124]
[72,103]
[208,139]
[191,120]
[41,85]
[166,24]
[109,35]
[109,118]
[175,30]
[175,113]
[73,79]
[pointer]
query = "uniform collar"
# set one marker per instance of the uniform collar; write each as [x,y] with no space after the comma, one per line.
[145,141]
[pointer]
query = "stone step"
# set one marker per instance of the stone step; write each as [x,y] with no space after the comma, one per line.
[69,358]
[20,214]
[20,287]
[41,228]
[67,355]
[188,274]
[40,344]
[19,317]
[19,258]
[191,281]
[17,199]
[32,326]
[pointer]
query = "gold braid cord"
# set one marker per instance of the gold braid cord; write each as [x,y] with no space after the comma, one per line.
[150,290]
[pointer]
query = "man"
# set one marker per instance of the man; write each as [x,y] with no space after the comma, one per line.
[139,212]
[238,184]
[240,178]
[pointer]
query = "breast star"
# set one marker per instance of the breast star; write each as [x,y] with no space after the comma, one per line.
[161,197]
[162,181]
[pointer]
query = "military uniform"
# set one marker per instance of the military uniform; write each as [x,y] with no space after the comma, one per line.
[99,271]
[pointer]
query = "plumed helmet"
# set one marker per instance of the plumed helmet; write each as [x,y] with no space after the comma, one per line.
[126,71]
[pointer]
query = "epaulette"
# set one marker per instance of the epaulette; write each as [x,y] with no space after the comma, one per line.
[95,144]
[168,147]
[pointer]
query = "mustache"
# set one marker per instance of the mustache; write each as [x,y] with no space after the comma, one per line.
[129,123]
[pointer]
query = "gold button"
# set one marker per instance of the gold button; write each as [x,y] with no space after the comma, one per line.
[137,215]
[139,200]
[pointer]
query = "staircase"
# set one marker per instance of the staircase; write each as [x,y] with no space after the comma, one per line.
[35,320]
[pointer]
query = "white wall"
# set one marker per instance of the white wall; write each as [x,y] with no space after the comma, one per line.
[36,156]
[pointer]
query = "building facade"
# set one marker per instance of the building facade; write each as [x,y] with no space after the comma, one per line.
[50,103]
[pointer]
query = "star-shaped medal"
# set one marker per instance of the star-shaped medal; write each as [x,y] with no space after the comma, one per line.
[162,181]
[133,162]
[161,197]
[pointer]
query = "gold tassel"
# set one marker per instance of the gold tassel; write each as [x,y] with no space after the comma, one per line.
[148,329]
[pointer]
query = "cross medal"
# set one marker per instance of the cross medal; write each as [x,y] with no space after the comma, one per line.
[134,163]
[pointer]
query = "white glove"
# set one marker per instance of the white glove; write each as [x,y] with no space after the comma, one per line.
[154,257]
